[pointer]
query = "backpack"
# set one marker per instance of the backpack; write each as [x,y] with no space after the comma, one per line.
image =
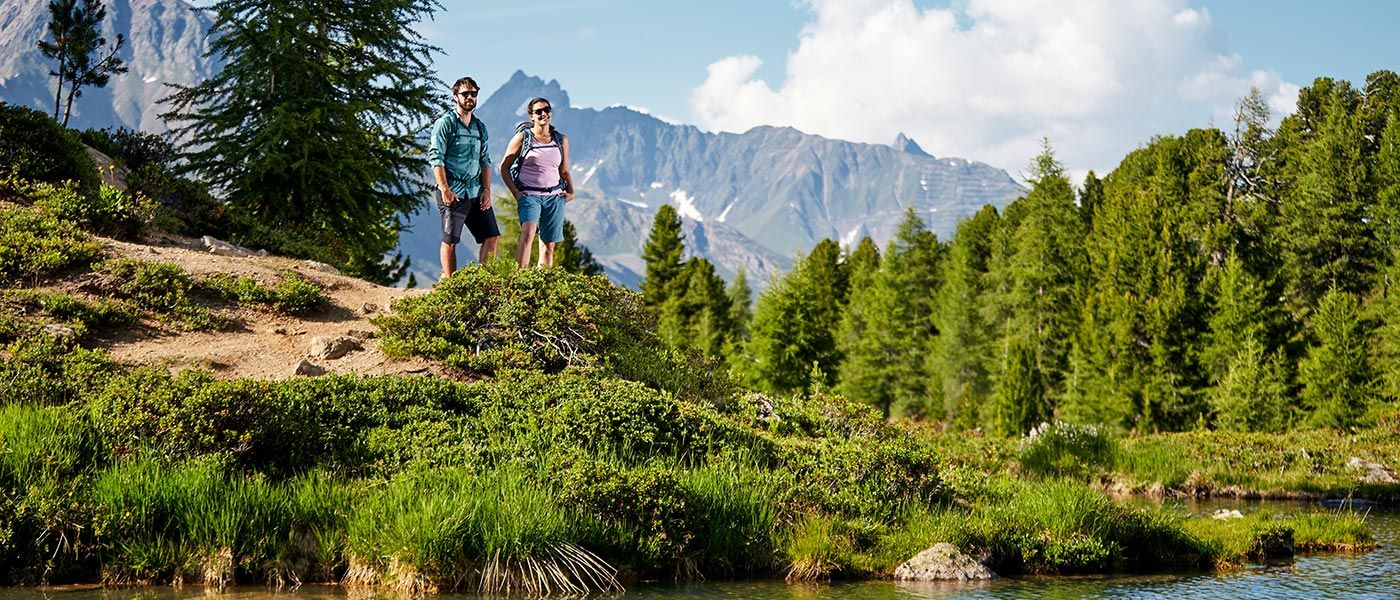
[526,143]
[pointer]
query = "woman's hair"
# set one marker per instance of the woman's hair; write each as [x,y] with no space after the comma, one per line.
[530,107]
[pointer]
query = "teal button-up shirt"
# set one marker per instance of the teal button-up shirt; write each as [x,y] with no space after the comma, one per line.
[462,149]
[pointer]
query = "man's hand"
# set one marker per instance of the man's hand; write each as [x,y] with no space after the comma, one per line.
[485,199]
[448,197]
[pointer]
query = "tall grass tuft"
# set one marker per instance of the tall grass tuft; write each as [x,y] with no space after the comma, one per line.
[817,548]
[733,511]
[432,530]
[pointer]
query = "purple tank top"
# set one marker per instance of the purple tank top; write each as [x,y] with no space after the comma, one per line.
[540,168]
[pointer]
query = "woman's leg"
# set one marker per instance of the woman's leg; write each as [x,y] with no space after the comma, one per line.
[527,237]
[547,254]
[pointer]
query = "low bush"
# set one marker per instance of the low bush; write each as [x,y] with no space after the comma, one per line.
[45,370]
[36,147]
[183,206]
[33,246]
[79,314]
[1066,450]
[293,294]
[109,211]
[162,288]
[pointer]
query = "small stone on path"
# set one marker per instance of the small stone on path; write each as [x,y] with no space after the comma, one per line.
[222,248]
[307,368]
[332,347]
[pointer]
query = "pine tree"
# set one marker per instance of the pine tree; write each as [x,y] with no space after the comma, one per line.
[1020,402]
[663,253]
[787,339]
[1090,197]
[77,42]
[1327,232]
[1251,394]
[572,256]
[1336,375]
[961,352]
[1241,317]
[314,123]
[740,297]
[889,328]
[1036,272]
[696,313]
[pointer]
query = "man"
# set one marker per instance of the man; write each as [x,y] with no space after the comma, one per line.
[462,167]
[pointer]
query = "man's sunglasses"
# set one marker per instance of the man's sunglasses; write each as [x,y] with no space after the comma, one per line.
[467,94]
[539,112]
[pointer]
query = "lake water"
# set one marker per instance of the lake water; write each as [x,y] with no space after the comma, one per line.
[1372,575]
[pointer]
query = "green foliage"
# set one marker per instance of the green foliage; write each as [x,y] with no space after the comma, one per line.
[162,288]
[695,314]
[796,322]
[960,360]
[44,370]
[486,318]
[34,246]
[1019,403]
[1252,395]
[663,253]
[77,44]
[1066,450]
[79,314]
[184,206]
[109,212]
[348,75]
[33,146]
[1336,376]
[293,294]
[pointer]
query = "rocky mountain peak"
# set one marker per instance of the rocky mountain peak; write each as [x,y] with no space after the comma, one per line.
[905,144]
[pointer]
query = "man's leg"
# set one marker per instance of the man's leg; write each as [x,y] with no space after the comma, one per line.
[527,237]
[488,248]
[448,254]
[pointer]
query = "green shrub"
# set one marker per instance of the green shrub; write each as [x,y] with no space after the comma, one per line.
[182,205]
[79,314]
[487,318]
[1066,450]
[46,370]
[861,477]
[36,147]
[162,288]
[34,245]
[294,294]
[109,211]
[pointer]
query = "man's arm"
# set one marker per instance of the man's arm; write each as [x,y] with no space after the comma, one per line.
[512,150]
[437,157]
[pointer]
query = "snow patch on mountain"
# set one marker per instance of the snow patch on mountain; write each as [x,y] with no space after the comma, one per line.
[685,205]
[589,174]
[725,213]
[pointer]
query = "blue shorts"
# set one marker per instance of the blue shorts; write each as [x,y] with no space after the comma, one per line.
[546,210]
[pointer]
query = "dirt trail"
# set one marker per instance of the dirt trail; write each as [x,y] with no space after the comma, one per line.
[261,344]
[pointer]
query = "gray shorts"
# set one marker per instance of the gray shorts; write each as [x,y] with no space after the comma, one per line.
[467,211]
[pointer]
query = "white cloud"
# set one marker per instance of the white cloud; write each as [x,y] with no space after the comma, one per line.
[986,79]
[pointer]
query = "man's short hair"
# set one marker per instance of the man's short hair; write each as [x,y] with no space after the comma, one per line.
[464,81]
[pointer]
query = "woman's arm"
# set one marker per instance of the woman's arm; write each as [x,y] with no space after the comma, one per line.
[564,175]
[512,150]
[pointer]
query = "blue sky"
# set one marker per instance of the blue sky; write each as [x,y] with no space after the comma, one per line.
[979,79]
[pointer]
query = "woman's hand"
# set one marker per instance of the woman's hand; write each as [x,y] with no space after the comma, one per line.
[568,196]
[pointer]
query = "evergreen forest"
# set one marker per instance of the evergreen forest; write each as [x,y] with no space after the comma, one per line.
[1239,278]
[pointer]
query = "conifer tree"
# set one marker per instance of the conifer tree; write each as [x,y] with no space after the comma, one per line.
[663,253]
[572,256]
[695,314]
[1328,240]
[1251,394]
[84,58]
[314,123]
[961,352]
[1336,376]
[740,306]
[1020,402]
[884,366]
[1241,316]
[1036,272]
[789,338]
[1090,197]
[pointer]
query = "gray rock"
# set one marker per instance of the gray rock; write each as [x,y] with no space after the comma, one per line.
[1226,514]
[307,368]
[368,308]
[1372,472]
[360,334]
[332,347]
[58,330]
[322,267]
[222,248]
[943,562]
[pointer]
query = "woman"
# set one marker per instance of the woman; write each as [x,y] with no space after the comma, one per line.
[536,170]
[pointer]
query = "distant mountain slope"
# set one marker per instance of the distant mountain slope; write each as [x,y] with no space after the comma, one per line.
[166,41]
